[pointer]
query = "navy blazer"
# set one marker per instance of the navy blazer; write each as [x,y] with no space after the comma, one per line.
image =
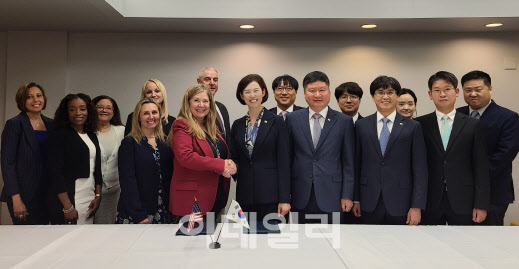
[330,167]
[400,175]
[69,159]
[263,177]
[139,177]
[501,130]
[21,159]
[463,165]
[274,110]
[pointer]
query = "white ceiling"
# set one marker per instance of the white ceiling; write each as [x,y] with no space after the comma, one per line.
[100,16]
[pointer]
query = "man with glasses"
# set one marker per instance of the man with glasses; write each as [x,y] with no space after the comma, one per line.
[458,189]
[285,92]
[391,163]
[349,95]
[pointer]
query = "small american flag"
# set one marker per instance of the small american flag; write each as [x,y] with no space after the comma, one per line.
[195,216]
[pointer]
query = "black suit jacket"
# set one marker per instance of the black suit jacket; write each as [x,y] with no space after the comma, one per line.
[463,166]
[22,165]
[274,110]
[166,127]
[226,123]
[69,159]
[139,177]
[400,175]
[501,130]
[263,177]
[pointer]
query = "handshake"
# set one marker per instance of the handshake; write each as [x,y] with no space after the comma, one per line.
[229,169]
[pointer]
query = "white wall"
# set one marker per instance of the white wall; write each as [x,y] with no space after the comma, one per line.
[118,64]
[4,218]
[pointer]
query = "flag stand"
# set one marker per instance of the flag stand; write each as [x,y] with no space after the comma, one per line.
[216,244]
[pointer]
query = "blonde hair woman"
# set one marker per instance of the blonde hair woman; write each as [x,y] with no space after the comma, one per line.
[155,90]
[145,168]
[202,167]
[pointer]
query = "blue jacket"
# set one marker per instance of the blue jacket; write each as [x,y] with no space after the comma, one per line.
[21,159]
[139,177]
[500,127]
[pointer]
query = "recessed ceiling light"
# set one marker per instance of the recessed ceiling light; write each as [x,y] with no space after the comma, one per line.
[246,26]
[369,26]
[494,24]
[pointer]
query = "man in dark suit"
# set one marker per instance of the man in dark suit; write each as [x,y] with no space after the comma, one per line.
[285,92]
[391,161]
[501,130]
[348,96]
[458,191]
[322,150]
[209,76]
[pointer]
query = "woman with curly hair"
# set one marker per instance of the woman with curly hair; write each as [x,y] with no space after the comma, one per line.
[75,161]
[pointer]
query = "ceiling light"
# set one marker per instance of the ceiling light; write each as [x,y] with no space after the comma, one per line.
[369,26]
[494,24]
[246,26]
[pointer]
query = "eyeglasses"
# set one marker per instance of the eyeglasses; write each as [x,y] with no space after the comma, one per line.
[287,89]
[444,91]
[352,97]
[107,108]
[382,93]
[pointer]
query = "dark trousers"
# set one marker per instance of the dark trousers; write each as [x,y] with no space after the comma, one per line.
[313,208]
[349,218]
[219,201]
[495,215]
[380,215]
[262,210]
[444,214]
[38,213]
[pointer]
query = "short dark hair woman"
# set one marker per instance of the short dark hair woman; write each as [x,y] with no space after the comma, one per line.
[260,149]
[24,157]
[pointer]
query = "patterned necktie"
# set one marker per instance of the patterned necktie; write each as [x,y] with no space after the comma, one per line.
[283,114]
[445,131]
[219,124]
[317,129]
[475,114]
[384,136]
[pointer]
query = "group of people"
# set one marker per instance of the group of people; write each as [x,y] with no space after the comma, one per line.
[449,166]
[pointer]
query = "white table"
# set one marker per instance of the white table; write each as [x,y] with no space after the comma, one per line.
[298,246]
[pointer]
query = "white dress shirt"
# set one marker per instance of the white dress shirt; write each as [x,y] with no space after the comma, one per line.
[450,121]
[290,109]
[322,119]
[355,118]
[380,123]
[480,111]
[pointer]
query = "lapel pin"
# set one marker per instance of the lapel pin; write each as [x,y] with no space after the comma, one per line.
[265,121]
[401,124]
[329,120]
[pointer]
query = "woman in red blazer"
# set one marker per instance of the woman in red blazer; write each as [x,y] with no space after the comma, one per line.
[201,156]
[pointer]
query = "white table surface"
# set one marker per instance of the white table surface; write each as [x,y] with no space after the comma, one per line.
[298,246]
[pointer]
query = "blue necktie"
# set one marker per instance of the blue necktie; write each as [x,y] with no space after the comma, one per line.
[445,132]
[316,129]
[384,136]
[475,114]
